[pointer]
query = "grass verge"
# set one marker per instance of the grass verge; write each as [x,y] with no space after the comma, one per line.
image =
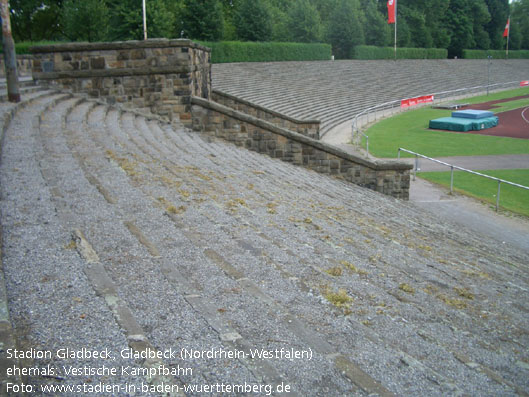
[511,198]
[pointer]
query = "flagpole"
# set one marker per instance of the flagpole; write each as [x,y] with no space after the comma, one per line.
[508,35]
[144,21]
[395,30]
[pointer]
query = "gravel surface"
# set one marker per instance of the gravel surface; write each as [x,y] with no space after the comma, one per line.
[202,245]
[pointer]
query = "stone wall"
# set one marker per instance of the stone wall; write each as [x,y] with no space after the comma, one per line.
[157,75]
[172,78]
[387,177]
[310,128]
[24,65]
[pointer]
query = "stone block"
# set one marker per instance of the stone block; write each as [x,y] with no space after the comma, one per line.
[138,53]
[116,64]
[97,63]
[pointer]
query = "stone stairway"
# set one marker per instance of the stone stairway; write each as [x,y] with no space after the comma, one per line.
[120,231]
[334,92]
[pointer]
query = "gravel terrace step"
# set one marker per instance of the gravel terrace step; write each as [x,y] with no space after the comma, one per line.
[123,232]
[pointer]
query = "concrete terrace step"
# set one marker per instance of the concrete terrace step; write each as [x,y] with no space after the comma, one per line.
[196,243]
[311,89]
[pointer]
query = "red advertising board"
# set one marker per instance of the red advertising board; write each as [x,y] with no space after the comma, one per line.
[405,103]
[524,83]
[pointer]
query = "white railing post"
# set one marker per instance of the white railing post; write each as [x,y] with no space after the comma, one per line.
[498,196]
[451,180]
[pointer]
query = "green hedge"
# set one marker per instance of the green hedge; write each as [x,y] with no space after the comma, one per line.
[236,51]
[372,52]
[23,46]
[496,54]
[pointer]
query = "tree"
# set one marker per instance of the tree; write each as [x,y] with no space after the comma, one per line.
[344,31]
[481,17]
[419,33]
[499,12]
[85,20]
[280,31]
[515,38]
[376,28]
[229,8]
[203,19]
[403,32]
[304,22]
[253,22]
[127,19]
[520,21]
[34,20]
[459,23]
[434,11]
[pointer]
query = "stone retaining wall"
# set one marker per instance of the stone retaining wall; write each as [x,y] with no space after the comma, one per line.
[156,75]
[387,177]
[310,128]
[24,65]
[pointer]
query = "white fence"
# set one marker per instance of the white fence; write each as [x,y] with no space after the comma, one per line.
[455,167]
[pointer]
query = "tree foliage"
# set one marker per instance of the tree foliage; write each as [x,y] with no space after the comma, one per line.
[253,21]
[344,30]
[203,19]
[35,20]
[520,24]
[127,19]
[451,24]
[376,29]
[85,20]
[304,22]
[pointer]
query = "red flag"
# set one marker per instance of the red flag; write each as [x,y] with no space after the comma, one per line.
[392,10]
[507,27]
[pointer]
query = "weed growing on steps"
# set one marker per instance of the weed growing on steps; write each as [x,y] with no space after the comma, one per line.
[353,268]
[170,208]
[334,271]
[339,299]
[476,273]
[169,182]
[272,208]
[234,204]
[454,302]
[464,293]
[173,210]
[407,288]
[70,246]
[125,164]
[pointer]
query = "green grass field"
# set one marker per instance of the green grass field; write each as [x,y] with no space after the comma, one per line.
[497,95]
[409,130]
[511,198]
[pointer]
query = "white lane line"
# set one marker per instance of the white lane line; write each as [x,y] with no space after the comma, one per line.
[523,116]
